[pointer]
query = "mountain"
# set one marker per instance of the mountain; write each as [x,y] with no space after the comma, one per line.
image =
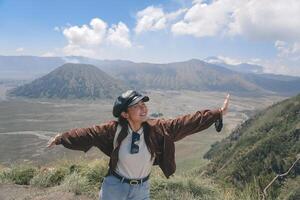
[193,74]
[199,75]
[72,81]
[282,84]
[260,148]
[288,85]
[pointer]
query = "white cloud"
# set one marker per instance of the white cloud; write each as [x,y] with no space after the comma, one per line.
[86,35]
[205,19]
[119,35]
[230,61]
[154,18]
[279,66]
[287,60]
[20,49]
[150,18]
[288,50]
[174,15]
[255,19]
[267,20]
[76,50]
[87,40]
[273,66]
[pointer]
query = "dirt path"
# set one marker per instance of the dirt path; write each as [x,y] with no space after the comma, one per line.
[21,192]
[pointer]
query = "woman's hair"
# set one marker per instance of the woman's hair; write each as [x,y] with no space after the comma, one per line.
[123,121]
[124,132]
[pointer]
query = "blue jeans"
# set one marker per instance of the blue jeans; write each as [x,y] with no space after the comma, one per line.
[113,189]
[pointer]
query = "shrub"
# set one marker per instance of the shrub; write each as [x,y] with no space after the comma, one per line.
[95,172]
[49,177]
[182,188]
[21,174]
[75,183]
[290,190]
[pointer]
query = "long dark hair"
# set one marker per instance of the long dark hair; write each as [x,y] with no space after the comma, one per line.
[124,132]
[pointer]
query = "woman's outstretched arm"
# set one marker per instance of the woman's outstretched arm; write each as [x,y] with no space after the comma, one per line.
[183,126]
[83,139]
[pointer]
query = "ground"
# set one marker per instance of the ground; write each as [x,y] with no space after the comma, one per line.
[21,192]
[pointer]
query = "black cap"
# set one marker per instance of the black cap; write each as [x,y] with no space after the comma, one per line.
[127,99]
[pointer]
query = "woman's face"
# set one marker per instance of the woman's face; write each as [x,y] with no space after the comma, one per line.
[137,113]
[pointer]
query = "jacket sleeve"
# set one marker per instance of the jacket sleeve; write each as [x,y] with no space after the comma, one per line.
[183,126]
[83,139]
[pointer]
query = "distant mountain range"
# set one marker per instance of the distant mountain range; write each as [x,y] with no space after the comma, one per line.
[72,81]
[199,75]
[242,67]
[191,75]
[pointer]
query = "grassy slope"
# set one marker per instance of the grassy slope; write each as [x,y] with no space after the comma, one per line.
[84,178]
[262,147]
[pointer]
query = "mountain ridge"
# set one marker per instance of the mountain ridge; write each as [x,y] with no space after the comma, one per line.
[72,81]
[193,74]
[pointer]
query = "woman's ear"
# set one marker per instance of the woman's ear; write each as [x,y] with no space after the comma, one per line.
[124,115]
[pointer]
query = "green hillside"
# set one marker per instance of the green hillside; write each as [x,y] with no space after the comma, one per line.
[261,148]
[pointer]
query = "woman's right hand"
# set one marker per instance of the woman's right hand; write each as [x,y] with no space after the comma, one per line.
[52,141]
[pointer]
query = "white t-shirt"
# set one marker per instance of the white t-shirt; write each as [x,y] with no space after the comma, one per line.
[133,166]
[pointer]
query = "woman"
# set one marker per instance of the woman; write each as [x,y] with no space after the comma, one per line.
[134,143]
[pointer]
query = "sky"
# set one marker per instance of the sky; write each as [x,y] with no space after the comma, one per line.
[262,32]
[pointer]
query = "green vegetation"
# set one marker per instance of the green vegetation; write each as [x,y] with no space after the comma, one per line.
[79,177]
[85,177]
[290,190]
[261,148]
[18,174]
[180,187]
[49,177]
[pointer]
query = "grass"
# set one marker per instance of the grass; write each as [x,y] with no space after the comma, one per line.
[290,189]
[49,177]
[79,177]
[182,188]
[18,174]
[85,177]
[76,183]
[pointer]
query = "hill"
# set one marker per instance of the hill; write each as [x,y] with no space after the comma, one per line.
[198,75]
[72,81]
[262,147]
[192,75]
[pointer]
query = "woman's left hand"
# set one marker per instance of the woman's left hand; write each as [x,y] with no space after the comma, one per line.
[224,109]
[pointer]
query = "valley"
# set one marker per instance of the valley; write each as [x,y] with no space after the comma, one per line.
[27,125]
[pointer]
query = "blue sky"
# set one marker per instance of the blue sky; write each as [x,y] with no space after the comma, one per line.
[235,31]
